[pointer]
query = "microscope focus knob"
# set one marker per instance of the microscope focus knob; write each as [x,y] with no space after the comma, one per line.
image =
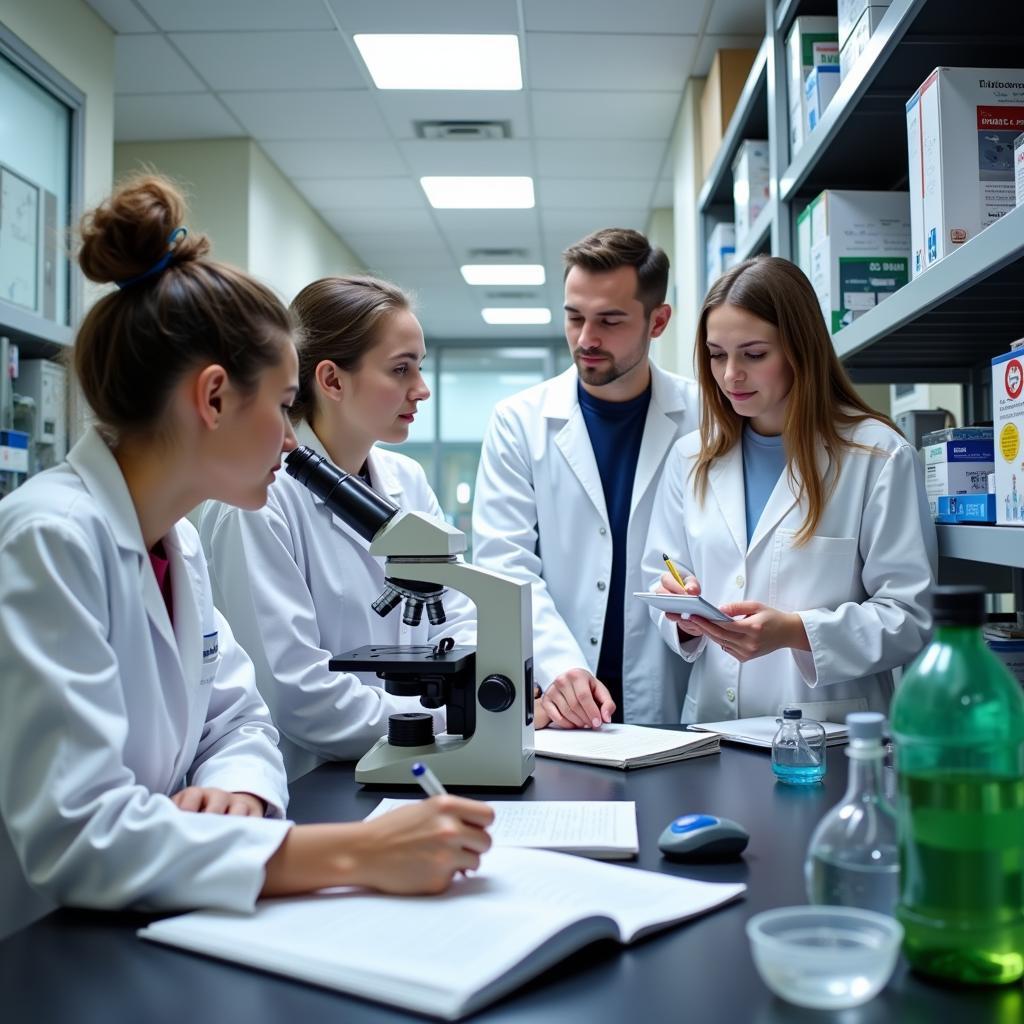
[496,693]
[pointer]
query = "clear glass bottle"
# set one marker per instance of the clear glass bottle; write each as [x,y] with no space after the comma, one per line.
[798,749]
[853,858]
[958,722]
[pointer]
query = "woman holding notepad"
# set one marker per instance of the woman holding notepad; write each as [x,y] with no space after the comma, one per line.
[796,509]
[138,765]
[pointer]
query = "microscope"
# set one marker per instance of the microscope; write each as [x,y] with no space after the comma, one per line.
[487,692]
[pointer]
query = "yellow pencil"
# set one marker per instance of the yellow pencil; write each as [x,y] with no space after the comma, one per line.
[672,569]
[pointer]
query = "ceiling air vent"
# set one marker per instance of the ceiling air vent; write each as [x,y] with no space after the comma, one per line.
[496,255]
[455,131]
[511,295]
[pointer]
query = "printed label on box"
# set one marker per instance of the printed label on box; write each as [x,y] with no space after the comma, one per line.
[863,283]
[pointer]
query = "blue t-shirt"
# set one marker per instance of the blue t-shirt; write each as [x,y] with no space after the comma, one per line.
[616,431]
[764,459]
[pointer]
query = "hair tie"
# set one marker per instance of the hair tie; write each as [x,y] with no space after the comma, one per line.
[161,264]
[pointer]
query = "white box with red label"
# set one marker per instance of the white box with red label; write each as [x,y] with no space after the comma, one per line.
[961,164]
[1008,428]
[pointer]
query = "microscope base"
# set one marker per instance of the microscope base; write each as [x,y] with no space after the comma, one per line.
[455,760]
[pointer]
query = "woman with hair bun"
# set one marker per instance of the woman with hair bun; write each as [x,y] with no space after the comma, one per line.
[138,765]
[360,383]
[797,509]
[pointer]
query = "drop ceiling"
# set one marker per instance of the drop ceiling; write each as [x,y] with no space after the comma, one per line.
[603,81]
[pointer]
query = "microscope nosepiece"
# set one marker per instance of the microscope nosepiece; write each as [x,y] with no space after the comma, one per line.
[387,601]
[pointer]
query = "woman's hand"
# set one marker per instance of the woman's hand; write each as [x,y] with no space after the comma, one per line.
[413,850]
[760,631]
[208,800]
[574,700]
[688,627]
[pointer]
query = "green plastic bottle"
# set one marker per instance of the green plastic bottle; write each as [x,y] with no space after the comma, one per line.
[958,722]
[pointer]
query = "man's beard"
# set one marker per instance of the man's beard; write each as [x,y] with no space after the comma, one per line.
[610,370]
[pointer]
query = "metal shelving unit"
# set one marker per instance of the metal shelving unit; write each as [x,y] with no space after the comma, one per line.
[947,324]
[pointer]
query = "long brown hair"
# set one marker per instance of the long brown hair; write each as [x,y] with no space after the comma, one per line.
[136,343]
[822,401]
[340,320]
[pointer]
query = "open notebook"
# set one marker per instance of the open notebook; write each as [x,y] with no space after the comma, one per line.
[604,829]
[759,732]
[623,746]
[448,955]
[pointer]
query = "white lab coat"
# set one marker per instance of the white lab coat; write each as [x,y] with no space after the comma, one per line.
[859,584]
[296,584]
[539,515]
[106,710]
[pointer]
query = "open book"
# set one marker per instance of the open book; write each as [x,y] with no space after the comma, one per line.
[448,955]
[623,746]
[604,829]
[759,732]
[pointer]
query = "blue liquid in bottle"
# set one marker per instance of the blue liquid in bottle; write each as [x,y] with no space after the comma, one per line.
[798,750]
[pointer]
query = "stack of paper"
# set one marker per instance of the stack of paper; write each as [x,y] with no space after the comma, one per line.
[603,829]
[623,746]
[759,732]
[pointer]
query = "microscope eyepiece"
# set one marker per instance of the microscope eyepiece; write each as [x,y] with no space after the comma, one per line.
[346,495]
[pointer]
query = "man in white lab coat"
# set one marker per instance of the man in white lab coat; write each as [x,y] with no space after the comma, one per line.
[567,478]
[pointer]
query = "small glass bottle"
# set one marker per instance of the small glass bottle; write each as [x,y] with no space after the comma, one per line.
[798,750]
[853,856]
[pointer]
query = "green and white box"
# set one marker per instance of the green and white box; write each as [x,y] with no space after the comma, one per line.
[857,41]
[822,84]
[750,181]
[962,166]
[1008,426]
[811,42]
[915,182]
[859,250]
[849,13]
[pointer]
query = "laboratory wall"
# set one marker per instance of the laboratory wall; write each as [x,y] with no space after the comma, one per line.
[661,231]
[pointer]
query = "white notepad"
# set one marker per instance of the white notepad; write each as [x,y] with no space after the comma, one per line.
[604,829]
[448,955]
[623,746]
[759,732]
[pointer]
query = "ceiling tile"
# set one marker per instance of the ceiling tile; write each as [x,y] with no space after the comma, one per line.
[590,159]
[271,60]
[664,194]
[237,15]
[401,108]
[711,44]
[175,116]
[330,159]
[460,16]
[500,222]
[601,193]
[608,62]
[362,193]
[413,223]
[423,277]
[603,115]
[148,63]
[564,227]
[508,157]
[738,17]
[333,114]
[121,15]
[660,16]
[389,249]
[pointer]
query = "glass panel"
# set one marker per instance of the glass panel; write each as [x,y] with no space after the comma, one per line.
[35,179]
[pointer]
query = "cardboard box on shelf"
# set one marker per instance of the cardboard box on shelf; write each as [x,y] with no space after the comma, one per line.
[722,89]
[959,451]
[858,246]
[957,434]
[819,89]
[849,14]
[956,478]
[858,39]
[812,42]
[965,508]
[961,163]
[1008,426]
[1018,168]
[721,251]
[750,183]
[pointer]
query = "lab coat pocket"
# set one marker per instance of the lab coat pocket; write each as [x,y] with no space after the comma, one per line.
[211,659]
[822,573]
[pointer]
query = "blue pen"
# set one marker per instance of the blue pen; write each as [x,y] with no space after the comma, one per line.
[428,780]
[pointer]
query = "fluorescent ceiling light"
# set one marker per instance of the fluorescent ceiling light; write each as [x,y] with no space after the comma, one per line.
[436,61]
[479,193]
[493,273]
[517,315]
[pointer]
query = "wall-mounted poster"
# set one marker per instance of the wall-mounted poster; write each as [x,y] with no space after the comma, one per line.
[19,240]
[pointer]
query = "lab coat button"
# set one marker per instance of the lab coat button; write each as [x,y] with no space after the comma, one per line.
[601,585]
[593,640]
[603,530]
[740,581]
[730,694]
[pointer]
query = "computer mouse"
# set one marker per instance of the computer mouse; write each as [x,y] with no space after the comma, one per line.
[698,837]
